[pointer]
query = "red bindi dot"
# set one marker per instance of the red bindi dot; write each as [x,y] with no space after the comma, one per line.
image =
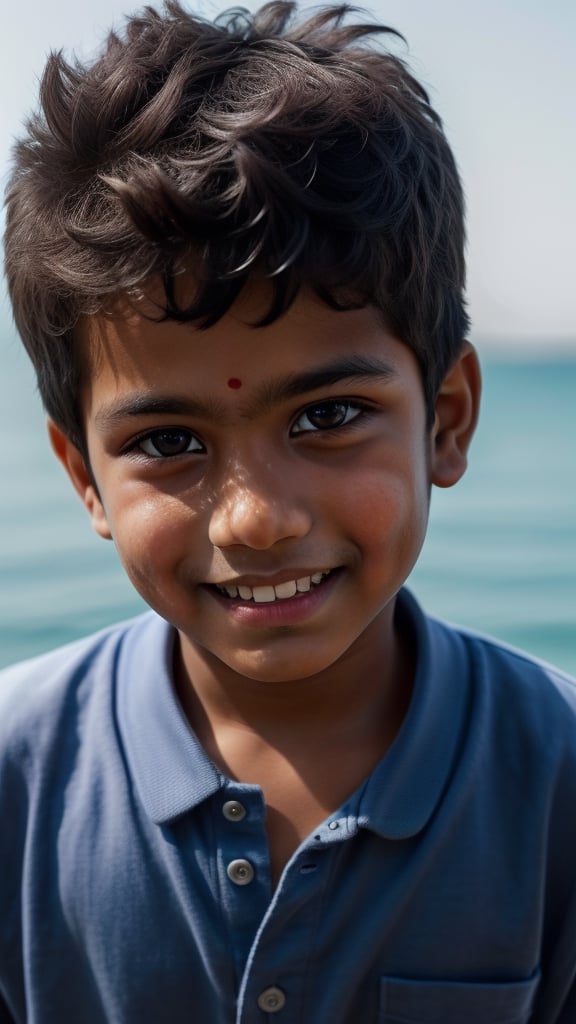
[234,383]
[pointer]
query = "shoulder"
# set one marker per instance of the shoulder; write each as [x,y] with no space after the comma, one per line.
[509,722]
[38,695]
[514,673]
[492,663]
[510,697]
[521,703]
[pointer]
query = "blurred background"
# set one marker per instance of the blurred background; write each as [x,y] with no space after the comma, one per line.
[501,550]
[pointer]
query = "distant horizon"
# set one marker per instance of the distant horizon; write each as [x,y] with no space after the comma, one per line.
[553,347]
[560,346]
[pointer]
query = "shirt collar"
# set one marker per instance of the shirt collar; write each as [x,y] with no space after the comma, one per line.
[171,770]
[173,774]
[404,789]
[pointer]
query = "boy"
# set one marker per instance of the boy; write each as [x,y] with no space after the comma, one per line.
[235,255]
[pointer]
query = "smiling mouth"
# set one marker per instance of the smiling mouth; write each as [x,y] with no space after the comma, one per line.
[279,592]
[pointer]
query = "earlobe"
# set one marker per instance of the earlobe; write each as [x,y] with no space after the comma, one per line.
[457,407]
[74,464]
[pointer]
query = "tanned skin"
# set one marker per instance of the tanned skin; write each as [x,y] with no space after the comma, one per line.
[321,462]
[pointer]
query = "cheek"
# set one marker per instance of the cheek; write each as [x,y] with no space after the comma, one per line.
[153,532]
[390,515]
[389,505]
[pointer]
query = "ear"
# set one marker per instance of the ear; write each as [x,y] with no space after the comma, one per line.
[74,464]
[456,414]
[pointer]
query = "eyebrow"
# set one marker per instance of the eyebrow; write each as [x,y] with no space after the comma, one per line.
[145,403]
[274,392]
[338,371]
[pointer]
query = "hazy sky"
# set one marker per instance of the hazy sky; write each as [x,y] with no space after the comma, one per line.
[503,77]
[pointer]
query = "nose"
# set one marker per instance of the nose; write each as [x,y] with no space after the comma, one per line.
[257,510]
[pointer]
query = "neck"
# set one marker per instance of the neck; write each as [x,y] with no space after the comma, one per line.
[371,683]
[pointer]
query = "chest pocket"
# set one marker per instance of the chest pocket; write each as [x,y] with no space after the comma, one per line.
[409,1001]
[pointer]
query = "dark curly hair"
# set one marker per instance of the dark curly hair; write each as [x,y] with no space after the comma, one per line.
[259,145]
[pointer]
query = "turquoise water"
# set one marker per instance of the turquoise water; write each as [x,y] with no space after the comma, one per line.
[500,554]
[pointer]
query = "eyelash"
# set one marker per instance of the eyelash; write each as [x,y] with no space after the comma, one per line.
[357,408]
[360,409]
[136,446]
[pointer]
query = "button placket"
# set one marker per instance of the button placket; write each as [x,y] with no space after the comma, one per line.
[280,948]
[239,870]
[243,867]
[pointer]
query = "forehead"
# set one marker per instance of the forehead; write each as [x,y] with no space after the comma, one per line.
[133,348]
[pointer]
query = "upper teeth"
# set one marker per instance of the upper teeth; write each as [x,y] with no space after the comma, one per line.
[281,591]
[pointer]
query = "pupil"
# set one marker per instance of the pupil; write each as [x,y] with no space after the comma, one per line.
[328,415]
[171,442]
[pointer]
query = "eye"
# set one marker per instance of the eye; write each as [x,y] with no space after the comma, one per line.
[161,444]
[327,415]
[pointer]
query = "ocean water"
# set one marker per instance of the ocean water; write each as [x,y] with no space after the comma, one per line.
[500,555]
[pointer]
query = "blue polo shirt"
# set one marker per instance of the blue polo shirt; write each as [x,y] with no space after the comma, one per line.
[135,879]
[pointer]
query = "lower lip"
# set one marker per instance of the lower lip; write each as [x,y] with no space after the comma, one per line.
[287,612]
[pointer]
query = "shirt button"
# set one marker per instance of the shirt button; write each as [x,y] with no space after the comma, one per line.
[233,810]
[240,872]
[271,999]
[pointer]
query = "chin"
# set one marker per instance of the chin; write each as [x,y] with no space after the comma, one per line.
[279,669]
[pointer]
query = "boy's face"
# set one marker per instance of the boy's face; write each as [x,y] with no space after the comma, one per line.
[267,489]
